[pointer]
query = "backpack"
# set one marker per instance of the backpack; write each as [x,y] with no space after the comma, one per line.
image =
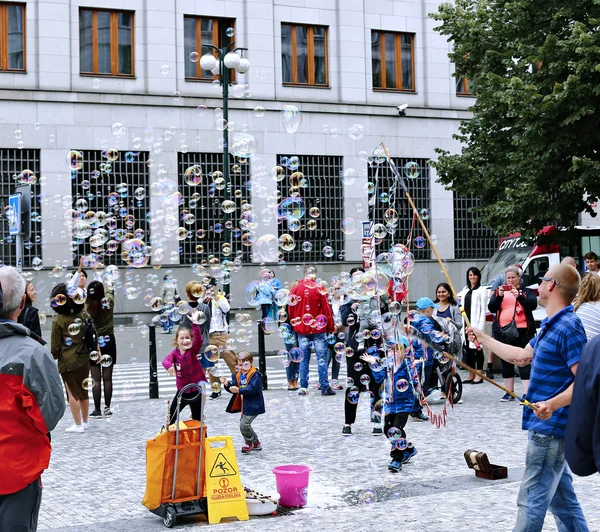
[90,336]
[454,342]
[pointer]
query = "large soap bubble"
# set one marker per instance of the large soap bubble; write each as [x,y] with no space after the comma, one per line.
[291,118]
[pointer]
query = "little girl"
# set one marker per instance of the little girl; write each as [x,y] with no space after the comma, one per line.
[246,387]
[398,403]
[184,362]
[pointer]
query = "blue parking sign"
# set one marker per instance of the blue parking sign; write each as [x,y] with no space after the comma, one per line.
[14,214]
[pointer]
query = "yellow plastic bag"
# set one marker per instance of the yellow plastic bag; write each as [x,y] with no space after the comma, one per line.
[160,464]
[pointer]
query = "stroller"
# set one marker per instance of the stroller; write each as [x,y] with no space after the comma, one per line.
[446,380]
[175,483]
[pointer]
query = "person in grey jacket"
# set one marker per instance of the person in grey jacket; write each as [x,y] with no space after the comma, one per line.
[31,404]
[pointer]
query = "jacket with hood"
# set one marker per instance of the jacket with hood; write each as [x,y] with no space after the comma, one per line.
[31,404]
[313,302]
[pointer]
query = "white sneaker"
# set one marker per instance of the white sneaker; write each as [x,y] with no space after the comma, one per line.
[75,428]
[85,425]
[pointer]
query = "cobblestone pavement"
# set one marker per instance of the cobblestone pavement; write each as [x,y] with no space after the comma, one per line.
[96,480]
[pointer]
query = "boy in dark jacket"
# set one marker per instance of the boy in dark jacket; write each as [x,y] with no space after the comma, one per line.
[246,387]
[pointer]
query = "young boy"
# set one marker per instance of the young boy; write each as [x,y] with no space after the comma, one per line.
[246,387]
[398,403]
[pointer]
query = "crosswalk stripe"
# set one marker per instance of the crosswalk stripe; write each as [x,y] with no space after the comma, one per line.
[133,380]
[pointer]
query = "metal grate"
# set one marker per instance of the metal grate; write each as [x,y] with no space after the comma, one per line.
[471,239]
[323,191]
[112,187]
[415,173]
[12,163]
[206,233]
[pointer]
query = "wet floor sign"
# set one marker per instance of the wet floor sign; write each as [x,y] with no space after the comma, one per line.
[225,494]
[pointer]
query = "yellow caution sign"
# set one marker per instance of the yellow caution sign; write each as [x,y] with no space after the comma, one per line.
[224,490]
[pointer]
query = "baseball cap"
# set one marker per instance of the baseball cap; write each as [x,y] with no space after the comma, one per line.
[425,302]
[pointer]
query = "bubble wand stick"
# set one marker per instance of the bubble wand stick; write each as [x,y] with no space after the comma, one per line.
[426,232]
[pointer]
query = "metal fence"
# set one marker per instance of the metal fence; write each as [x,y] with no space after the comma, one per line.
[12,164]
[205,234]
[416,176]
[120,189]
[318,236]
[471,239]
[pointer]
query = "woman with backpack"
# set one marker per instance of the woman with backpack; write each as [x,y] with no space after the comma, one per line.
[68,346]
[100,306]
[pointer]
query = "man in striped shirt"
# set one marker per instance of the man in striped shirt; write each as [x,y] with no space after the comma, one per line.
[554,355]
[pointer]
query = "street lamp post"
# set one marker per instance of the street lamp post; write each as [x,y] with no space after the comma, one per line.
[226,59]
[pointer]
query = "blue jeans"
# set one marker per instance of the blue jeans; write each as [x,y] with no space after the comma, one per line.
[293,370]
[547,485]
[321,348]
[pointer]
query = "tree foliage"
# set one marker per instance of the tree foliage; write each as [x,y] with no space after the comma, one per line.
[530,152]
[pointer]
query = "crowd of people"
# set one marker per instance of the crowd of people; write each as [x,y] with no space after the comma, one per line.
[390,356]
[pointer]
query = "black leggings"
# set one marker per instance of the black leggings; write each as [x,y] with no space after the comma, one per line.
[351,407]
[97,371]
[399,421]
[194,399]
[265,308]
[508,368]
[473,357]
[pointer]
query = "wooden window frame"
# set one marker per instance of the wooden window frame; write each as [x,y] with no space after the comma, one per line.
[114,42]
[217,21]
[311,56]
[4,38]
[398,54]
[464,88]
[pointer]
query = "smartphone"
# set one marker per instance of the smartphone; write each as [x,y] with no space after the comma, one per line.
[506,287]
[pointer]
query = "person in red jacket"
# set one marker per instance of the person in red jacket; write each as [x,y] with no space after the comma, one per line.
[31,404]
[311,317]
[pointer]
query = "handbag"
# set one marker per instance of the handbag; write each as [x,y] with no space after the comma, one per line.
[509,333]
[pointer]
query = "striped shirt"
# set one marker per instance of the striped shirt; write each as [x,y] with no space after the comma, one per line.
[555,349]
[589,314]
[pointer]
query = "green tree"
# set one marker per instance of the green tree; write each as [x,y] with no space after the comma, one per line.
[531,150]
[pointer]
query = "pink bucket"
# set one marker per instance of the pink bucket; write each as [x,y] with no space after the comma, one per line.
[292,485]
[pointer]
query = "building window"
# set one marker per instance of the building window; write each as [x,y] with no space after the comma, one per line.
[389,207]
[201,225]
[111,202]
[304,55]
[310,211]
[106,42]
[471,239]
[393,60]
[12,37]
[463,87]
[198,33]
[13,164]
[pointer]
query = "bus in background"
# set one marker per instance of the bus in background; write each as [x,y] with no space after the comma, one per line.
[536,258]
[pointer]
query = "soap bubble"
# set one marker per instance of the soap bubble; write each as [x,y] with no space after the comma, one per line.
[420,242]
[412,170]
[75,160]
[356,131]
[259,111]
[424,214]
[165,69]
[194,57]
[292,118]
[230,32]
[348,226]
[193,175]
[402,385]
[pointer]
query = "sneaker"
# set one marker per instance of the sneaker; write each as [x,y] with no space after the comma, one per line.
[318,386]
[420,417]
[96,413]
[165,332]
[409,452]
[395,466]
[347,430]
[247,447]
[107,411]
[327,391]
[302,391]
[377,431]
[506,398]
[257,446]
[75,428]
[336,386]
[215,395]
[84,425]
